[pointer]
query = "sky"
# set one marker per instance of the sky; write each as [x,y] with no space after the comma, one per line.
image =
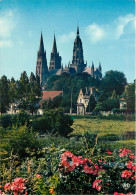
[107,31]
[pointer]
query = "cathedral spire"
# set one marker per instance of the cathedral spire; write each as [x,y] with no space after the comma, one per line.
[100,68]
[41,48]
[77,30]
[54,49]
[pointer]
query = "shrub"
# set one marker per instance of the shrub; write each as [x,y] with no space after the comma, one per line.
[54,122]
[20,119]
[109,137]
[21,141]
[5,120]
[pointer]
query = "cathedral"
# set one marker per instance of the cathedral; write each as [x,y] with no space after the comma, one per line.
[55,66]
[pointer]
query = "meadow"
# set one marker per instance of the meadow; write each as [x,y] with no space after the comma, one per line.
[102,127]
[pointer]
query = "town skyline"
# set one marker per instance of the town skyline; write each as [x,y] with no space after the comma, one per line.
[107,33]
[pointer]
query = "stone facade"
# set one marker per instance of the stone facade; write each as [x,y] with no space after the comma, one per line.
[55,66]
[84,98]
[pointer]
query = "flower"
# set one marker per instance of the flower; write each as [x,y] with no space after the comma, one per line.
[18,186]
[38,176]
[108,151]
[51,190]
[125,152]
[95,184]
[7,187]
[126,174]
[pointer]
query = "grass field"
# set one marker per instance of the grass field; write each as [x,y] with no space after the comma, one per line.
[102,127]
[106,127]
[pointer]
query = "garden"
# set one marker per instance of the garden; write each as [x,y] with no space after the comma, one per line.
[59,154]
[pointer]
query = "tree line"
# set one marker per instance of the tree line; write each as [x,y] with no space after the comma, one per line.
[27,91]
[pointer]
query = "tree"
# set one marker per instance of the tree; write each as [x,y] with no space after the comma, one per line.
[30,91]
[129,95]
[34,93]
[54,121]
[12,90]
[4,97]
[91,104]
[23,91]
[114,80]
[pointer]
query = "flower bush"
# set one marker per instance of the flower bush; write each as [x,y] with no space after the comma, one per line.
[112,173]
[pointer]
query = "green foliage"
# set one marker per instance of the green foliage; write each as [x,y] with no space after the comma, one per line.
[19,141]
[54,122]
[13,90]
[20,119]
[91,104]
[114,80]
[5,120]
[70,83]
[4,97]
[29,90]
[129,95]
[56,102]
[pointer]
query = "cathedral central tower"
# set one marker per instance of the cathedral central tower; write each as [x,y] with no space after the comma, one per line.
[78,58]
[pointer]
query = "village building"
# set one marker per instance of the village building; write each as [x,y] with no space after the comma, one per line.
[123,103]
[84,98]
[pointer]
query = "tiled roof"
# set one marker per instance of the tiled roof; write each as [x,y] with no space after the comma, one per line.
[51,94]
[122,98]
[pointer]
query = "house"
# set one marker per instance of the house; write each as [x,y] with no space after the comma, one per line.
[46,96]
[123,103]
[83,99]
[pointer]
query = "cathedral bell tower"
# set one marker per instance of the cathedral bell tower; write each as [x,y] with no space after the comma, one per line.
[78,58]
[55,59]
[41,65]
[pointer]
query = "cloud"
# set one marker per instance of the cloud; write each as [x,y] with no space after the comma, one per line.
[113,31]
[6,43]
[65,38]
[6,23]
[95,33]
[122,23]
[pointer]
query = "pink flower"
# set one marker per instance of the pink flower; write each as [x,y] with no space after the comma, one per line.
[96,184]
[108,151]
[126,174]
[7,187]
[18,186]
[130,165]
[38,176]
[124,152]
[19,180]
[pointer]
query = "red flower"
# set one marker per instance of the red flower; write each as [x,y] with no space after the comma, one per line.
[96,184]
[18,186]
[124,152]
[7,186]
[38,176]
[126,174]
[108,151]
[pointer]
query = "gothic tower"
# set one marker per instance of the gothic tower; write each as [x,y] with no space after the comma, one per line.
[78,58]
[55,59]
[92,70]
[41,65]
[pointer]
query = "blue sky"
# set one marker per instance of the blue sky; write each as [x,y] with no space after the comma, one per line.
[106,29]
